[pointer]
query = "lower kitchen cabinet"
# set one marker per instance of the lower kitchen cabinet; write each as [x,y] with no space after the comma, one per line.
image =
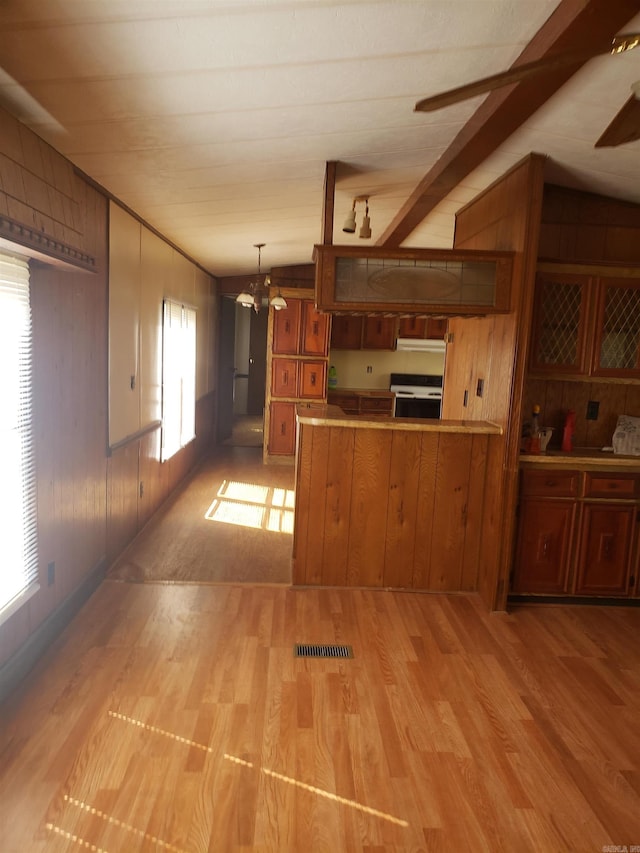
[577,533]
[544,546]
[605,550]
[282,428]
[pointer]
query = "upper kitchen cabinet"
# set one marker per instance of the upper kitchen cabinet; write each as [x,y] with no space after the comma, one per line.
[422,327]
[412,281]
[352,332]
[586,325]
[299,329]
[315,330]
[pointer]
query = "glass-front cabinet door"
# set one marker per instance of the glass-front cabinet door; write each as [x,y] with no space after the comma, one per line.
[560,323]
[617,341]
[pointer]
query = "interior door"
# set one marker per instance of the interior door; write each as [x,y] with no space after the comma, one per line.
[257,362]
[226,368]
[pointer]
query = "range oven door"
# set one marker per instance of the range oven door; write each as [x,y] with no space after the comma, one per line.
[417,407]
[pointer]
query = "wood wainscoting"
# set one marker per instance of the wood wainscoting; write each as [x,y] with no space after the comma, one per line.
[398,508]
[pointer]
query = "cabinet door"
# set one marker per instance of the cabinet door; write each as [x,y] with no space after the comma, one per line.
[605,550]
[544,546]
[284,377]
[313,379]
[282,429]
[379,333]
[286,328]
[315,330]
[560,323]
[436,327]
[346,332]
[412,327]
[617,345]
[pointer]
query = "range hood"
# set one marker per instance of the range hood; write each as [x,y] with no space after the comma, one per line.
[420,345]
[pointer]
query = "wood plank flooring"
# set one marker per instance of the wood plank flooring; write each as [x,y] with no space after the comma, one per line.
[175,718]
[232,521]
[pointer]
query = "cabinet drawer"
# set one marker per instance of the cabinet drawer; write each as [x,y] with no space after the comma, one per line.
[377,405]
[552,484]
[347,402]
[622,486]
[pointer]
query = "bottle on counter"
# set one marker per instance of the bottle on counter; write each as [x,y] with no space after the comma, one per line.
[534,441]
[333,377]
[568,431]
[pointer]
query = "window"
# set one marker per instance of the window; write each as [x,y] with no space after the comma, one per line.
[178,377]
[19,565]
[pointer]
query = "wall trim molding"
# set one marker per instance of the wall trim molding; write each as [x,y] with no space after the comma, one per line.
[19,665]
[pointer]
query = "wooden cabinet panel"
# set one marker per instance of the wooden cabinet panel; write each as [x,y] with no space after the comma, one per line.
[437,327]
[349,403]
[558,484]
[313,379]
[544,543]
[284,377]
[412,327]
[286,328]
[605,550]
[282,428]
[621,486]
[379,333]
[346,332]
[315,330]
[376,405]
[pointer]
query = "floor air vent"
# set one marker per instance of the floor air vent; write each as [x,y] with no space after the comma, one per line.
[306,650]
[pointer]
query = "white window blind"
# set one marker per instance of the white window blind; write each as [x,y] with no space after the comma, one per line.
[178,377]
[19,555]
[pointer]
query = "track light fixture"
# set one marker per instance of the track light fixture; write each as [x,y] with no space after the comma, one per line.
[253,295]
[349,226]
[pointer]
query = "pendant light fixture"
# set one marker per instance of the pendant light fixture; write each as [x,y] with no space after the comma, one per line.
[349,226]
[253,295]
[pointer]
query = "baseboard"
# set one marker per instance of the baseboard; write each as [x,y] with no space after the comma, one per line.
[16,668]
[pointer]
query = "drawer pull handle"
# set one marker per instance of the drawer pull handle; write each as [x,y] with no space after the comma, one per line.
[315,328]
[283,428]
[313,380]
[287,326]
[285,377]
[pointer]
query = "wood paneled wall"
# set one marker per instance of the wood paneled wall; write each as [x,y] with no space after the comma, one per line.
[505,217]
[389,508]
[84,510]
[580,226]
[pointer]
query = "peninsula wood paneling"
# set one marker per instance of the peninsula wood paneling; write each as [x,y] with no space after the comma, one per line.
[389,508]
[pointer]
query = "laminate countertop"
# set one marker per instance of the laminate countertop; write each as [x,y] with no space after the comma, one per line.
[320,414]
[582,458]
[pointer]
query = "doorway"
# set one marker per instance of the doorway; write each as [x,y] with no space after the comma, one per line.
[242,379]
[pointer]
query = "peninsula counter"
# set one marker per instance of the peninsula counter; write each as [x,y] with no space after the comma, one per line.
[389,502]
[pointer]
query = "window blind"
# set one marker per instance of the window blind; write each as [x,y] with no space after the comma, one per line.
[18,510]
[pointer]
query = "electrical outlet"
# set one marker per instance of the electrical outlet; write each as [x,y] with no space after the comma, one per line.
[369,369]
[51,573]
[593,407]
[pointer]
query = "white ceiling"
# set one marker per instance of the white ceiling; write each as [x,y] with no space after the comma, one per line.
[213,119]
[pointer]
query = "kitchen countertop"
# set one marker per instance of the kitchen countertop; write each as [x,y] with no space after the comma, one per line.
[320,414]
[585,458]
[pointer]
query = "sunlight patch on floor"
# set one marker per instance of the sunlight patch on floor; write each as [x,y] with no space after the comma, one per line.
[253,505]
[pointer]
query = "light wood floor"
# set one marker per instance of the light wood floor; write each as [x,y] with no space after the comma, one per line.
[175,718]
[232,521]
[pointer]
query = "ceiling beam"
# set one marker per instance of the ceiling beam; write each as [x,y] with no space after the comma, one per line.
[575,25]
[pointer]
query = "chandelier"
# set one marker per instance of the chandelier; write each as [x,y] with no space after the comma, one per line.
[254,294]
